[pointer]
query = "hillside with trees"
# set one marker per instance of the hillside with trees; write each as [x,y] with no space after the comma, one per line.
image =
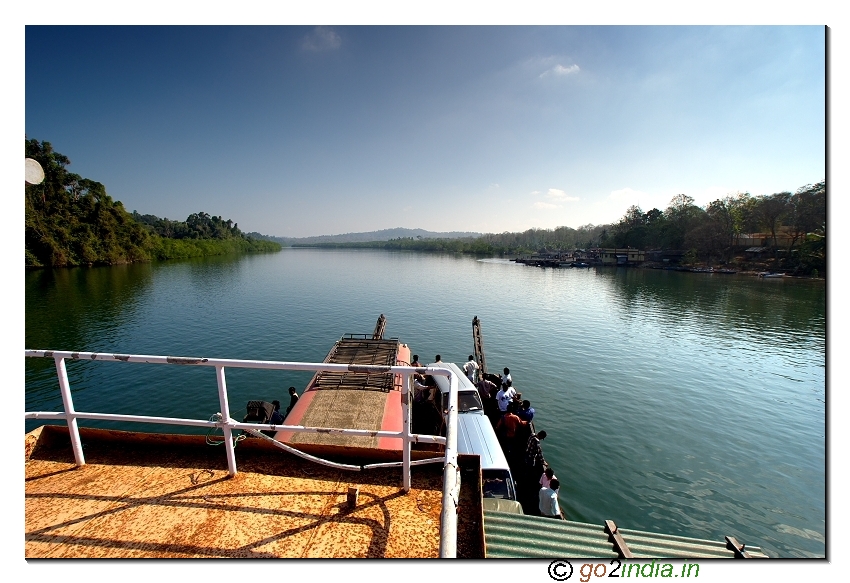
[72,221]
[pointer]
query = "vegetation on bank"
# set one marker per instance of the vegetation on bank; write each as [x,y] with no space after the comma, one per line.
[793,224]
[791,229]
[72,221]
[529,241]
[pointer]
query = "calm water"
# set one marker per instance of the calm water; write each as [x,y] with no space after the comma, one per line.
[681,403]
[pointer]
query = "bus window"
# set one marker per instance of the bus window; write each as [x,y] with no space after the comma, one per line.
[466,401]
[497,484]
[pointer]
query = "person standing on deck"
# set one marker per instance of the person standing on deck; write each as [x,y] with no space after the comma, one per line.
[416,375]
[471,369]
[505,396]
[487,389]
[548,500]
[507,428]
[506,377]
[293,398]
[534,454]
[546,478]
[526,411]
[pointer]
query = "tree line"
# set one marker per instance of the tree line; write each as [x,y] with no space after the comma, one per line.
[491,244]
[796,224]
[72,221]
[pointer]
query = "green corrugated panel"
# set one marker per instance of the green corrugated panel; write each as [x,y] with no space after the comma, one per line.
[653,545]
[522,536]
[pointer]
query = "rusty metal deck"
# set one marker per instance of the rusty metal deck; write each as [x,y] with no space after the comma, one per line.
[168,496]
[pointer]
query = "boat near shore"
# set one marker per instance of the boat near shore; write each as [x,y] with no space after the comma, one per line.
[345,475]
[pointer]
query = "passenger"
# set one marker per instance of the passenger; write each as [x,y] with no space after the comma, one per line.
[438,360]
[421,390]
[487,389]
[293,398]
[507,428]
[534,453]
[505,396]
[506,377]
[276,418]
[416,375]
[546,478]
[548,500]
[471,369]
[526,411]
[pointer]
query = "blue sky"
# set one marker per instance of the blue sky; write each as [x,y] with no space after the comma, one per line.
[306,130]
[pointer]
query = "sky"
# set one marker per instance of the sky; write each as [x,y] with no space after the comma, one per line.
[297,131]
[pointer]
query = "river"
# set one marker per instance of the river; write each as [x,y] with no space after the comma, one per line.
[680,403]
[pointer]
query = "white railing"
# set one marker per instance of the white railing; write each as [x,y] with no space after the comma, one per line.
[223,421]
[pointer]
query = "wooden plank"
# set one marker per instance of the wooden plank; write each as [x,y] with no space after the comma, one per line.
[380,325]
[615,537]
[478,345]
[737,548]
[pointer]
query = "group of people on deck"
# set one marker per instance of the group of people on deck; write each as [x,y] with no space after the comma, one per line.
[511,416]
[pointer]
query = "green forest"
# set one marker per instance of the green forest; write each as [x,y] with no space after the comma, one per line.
[71,221]
[792,226]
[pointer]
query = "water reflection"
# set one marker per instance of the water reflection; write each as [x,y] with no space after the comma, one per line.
[726,303]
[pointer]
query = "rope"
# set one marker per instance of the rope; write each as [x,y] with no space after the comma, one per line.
[216,418]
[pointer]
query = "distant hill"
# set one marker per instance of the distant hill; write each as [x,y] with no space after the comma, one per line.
[384,235]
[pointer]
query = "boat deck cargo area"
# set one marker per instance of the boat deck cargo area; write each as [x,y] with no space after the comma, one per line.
[356,400]
[169,496]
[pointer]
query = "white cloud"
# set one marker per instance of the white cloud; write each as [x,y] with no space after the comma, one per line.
[560,195]
[534,192]
[321,39]
[556,199]
[560,70]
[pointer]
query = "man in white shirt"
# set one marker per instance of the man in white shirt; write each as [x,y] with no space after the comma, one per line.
[548,500]
[471,369]
[505,396]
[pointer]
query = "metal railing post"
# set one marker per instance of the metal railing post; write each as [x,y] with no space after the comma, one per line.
[405,416]
[451,479]
[225,416]
[70,413]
